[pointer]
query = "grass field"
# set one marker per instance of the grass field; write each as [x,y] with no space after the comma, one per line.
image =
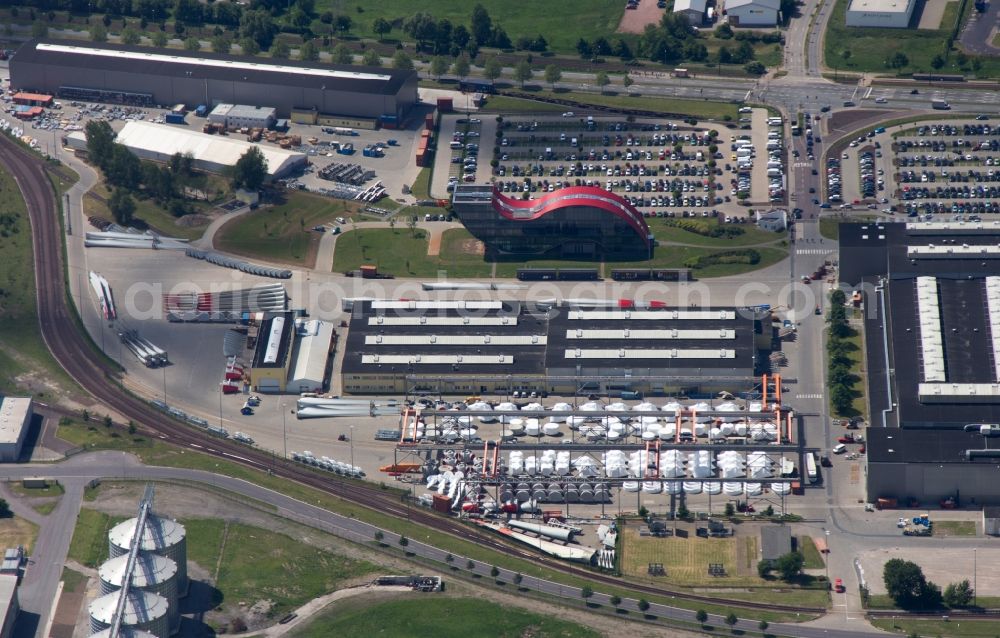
[870,48]
[404,254]
[418,616]
[829,227]
[954,528]
[955,628]
[24,359]
[421,188]
[686,559]
[90,538]
[507,104]
[676,256]
[44,500]
[813,559]
[146,211]
[255,563]
[591,18]
[857,356]
[673,106]
[282,233]
[96,436]
[664,232]
[16,531]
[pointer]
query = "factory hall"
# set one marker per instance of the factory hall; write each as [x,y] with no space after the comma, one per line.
[472,347]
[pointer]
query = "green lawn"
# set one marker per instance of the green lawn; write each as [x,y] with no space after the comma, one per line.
[94,435]
[664,232]
[403,253]
[857,357]
[671,106]
[813,559]
[507,104]
[591,18]
[829,227]
[146,211]
[421,615]
[676,256]
[870,48]
[421,188]
[53,489]
[90,538]
[956,627]
[282,233]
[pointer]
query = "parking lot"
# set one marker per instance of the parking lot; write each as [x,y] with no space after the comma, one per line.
[664,168]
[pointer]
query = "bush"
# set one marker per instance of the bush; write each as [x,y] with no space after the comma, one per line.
[744,256]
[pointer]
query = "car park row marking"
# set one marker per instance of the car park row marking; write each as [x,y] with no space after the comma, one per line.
[802,164]
[811,251]
[809,396]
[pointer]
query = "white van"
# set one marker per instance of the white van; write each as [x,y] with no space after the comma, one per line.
[774,172]
[774,135]
[774,164]
[775,121]
[456,145]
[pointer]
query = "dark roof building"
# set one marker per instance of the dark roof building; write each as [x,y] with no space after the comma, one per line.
[931,312]
[104,72]
[481,346]
[578,222]
[775,541]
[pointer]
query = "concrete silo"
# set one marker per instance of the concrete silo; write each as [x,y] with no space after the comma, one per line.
[161,536]
[143,610]
[153,573]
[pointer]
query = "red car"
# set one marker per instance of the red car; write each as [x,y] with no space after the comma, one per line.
[838,586]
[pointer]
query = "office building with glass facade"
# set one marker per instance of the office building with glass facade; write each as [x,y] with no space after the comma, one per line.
[579,222]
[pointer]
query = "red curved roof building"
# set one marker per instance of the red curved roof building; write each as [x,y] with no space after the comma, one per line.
[578,222]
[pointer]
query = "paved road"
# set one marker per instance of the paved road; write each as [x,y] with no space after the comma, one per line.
[976,35]
[115,465]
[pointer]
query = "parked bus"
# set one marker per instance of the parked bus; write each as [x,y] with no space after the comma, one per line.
[811,473]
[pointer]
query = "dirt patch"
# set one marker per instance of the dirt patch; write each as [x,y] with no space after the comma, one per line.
[635,20]
[194,220]
[852,119]
[472,247]
[930,17]
[434,244]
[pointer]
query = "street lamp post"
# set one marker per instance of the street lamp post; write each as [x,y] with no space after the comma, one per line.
[974,577]
[351,441]
[284,432]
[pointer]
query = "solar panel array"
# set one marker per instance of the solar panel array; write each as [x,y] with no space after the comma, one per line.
[624,353]
[655,315]
[627,333]
[454,340]
[382,320]
[931,341]
[437,359]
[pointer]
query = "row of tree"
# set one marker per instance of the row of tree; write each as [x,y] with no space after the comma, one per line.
[840,374]
[909,588]
[442,37]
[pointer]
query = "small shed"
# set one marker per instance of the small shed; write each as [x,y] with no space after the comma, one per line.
[991,521]
[773,220]
[775,541]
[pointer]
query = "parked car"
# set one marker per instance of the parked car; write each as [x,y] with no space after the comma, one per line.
[838,586]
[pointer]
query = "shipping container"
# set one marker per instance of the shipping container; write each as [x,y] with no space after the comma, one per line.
[174,118]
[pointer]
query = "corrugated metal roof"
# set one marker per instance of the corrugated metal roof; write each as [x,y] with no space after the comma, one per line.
[224,151]
[625,353]
[310,363]
[13,412]
[438,359]
[455,340]
[382,320]
[392,304]
[655,315]
[628,333]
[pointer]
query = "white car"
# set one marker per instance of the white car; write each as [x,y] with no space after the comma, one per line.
[901,522]
[840,448]
[568,114]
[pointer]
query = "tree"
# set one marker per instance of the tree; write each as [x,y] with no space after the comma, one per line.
[602,80]
[461,67]
[381,26]
[846,55]
[469,564]
[937,61]
[764,568]
[628,82]
[371,58]
[192,44]
[958,594]
[280,49]
[250,170]
[258,25]
[904,582]
[838,297]
[724,31]
[249,46]
[5,509]
[379,536]
[309,52]
[755,68]
[39,29]
[701,616]
[449,559]
[763,625]
[643,605]
[615,601]
[494,571]
[586,592]
[85,415]
[402,61]
[730,510]
[898,61]
[682,510]
[522,72]
[517,579]
[98,33]
[482,26]
[159,39]
[439,66]
[130,36]
[341,54]
[552,75]
[584,49]
[343,23]
[493,69]
[403,541]
[132,428]
[107,421]
[221,44]
[789,565]
[842,398]
[100,142]
[122,206]
[731,620]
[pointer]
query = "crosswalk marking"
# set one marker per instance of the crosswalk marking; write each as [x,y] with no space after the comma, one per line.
[808,396]
[811,251]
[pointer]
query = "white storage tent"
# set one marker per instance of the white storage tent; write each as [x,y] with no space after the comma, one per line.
[213,153]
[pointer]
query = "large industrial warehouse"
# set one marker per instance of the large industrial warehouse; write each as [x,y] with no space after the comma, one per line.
[135,75]
[493,346]
[931,301]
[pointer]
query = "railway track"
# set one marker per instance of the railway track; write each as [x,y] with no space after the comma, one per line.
[99,377]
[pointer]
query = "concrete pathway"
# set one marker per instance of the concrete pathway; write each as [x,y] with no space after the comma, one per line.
[324,254]
[207,240]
